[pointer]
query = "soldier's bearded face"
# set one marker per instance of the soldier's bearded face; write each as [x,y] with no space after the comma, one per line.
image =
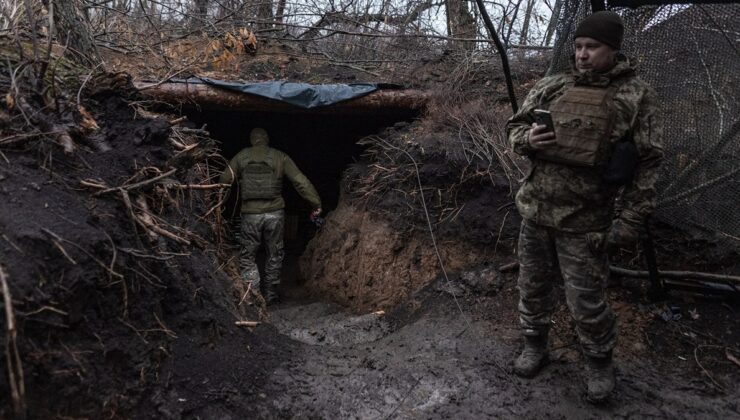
[594,55]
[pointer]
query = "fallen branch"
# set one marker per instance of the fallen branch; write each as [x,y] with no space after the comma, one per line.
[198,186]
[147,222]
[20,137]
[509,267]
[644,274]
[111,272]
[92,184]
[146,219]
[138,184]
[166,233]
[718,385]
[57,241]
[247,323]
[732,357]
[676,275]
[12,357]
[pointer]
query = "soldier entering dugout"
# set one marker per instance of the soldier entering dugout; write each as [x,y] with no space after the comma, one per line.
[259,170]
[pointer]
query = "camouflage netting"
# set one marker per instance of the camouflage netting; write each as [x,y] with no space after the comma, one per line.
[690,53]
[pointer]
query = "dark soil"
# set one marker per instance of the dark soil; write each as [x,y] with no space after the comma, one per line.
[109,323]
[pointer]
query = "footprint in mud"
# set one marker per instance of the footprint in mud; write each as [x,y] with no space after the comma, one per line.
[326,324]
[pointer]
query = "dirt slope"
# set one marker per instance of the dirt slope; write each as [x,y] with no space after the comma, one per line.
[112,318]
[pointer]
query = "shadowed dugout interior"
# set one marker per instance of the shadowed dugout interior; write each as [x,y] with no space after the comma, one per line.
[322,144]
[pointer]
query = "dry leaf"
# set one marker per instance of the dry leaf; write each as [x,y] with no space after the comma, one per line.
[88,123]
[251,42]
[9,102]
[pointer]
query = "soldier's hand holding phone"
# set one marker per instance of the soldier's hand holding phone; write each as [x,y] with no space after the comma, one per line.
[542,134]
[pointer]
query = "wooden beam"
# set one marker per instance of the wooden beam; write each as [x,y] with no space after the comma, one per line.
[209,97]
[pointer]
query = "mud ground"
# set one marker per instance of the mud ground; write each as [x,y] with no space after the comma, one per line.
[442,357]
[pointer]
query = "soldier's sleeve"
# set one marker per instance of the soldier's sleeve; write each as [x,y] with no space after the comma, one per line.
[638,198]
[301,183]
[229,173]
[518,126]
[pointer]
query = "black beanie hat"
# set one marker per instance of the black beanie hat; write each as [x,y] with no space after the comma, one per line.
[604,26]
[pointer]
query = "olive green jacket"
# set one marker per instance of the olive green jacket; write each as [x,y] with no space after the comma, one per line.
[289,169]
[576,199]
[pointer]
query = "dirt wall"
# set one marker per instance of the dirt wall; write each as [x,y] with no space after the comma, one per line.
[359,260]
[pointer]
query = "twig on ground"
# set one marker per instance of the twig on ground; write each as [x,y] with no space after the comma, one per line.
[198,186]
[138,332]
[111,272]
[501,229]
[19,137]
[138,184]
[64,251]
[12,356]
[644,274]
[731,357]
[244,296]
[92,184]
[247,323]
[719,386]
[676,274]
[4,236]
[166,330]
[509,267]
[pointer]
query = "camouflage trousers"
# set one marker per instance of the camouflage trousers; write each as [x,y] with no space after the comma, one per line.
[254,229]
[582,261]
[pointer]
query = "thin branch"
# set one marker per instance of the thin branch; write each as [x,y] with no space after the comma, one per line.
[12,356]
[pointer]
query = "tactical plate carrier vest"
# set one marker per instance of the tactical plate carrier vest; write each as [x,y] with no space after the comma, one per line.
[262,179]
[584,119]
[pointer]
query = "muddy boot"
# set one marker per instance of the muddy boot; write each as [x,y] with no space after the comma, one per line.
[271,296]
[599,378]
[533,357]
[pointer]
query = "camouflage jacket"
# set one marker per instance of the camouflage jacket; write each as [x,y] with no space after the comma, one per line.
[576,199]
[289,169]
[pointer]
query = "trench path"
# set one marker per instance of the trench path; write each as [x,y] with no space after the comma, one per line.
[433,362]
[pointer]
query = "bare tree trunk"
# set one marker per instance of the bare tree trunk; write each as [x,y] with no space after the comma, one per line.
[525,24]
[264,14]
[460,22]
[121,5]
[198,20]
[507,38]
[280,11]
[73,30]
[553,21]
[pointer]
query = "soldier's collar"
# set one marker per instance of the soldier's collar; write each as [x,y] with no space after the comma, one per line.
[623,68]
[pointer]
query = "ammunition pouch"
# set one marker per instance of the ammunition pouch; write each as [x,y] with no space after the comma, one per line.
[621,166]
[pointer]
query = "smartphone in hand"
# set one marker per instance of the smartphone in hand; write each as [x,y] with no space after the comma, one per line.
[543,117]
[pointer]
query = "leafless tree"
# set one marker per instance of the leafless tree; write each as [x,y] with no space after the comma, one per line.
[555,15]
[460,22]
[525,23]
[72,29]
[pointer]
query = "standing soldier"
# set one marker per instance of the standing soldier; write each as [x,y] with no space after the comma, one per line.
[259,170]
[606,144]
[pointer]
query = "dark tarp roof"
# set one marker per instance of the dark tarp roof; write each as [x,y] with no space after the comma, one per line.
[303,95]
